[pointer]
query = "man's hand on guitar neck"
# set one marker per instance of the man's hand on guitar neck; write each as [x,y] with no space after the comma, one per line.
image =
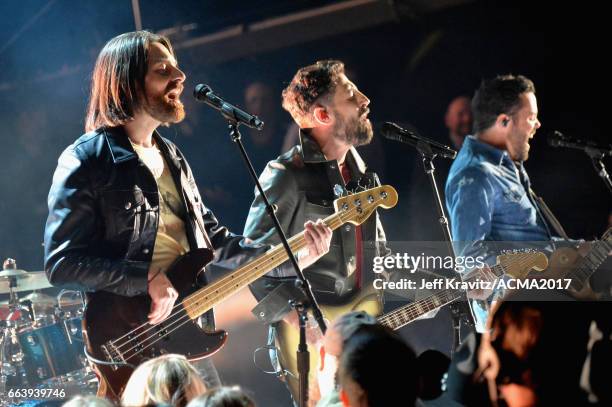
[163,295]
[318,238]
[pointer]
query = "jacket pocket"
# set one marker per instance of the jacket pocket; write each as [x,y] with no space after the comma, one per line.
[121,208]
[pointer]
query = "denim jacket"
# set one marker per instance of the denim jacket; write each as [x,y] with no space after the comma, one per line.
[488,201]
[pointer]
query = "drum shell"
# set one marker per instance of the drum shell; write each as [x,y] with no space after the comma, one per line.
[52,350]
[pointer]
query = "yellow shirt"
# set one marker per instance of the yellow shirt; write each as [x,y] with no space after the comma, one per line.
[171,241]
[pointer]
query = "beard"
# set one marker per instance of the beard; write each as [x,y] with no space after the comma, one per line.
[164,109]
[356,131]
[520,147]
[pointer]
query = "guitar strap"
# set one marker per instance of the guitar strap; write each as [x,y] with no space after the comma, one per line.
[550,217]
[541,206]
[195,209]
[191,198]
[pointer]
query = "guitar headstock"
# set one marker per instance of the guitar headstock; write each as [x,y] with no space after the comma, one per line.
[518,265]
[358,207]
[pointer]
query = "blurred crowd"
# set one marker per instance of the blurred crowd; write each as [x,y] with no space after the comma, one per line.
[526,358]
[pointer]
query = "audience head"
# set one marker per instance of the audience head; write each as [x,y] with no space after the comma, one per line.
[458,119]
[226,396]
[333,342]
[524,336]
[343,328]
[377,369]
[88,401]
[259,99]
[169,379]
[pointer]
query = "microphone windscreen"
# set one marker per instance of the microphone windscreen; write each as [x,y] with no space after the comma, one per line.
[554,138]
[389,130]
[201,90]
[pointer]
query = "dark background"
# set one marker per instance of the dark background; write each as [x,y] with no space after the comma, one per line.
[410,66]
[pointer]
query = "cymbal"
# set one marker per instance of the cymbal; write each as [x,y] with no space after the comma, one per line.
[40,299]
[12,273]
[25,280]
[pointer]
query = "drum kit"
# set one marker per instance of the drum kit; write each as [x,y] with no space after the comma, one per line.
[41,341]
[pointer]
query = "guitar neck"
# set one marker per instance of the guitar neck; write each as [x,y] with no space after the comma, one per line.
[207,297]
[591,262]
[408,313]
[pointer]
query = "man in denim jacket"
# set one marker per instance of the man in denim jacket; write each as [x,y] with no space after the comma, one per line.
[488,192]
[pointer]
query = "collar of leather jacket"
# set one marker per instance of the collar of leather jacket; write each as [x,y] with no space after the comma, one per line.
[121,149]
[311,152]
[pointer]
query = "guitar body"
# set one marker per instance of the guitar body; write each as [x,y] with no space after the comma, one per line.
[288,337]
[561,263]
[109,317]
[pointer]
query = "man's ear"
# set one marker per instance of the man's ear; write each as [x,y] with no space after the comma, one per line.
[503,120]
[321,116]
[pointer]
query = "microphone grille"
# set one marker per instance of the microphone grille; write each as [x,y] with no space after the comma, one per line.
[389,130]
[555,138]
[201,90]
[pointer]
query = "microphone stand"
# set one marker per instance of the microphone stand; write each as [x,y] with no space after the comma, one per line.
[597,155]
[302,282]
[303,355]
[458,309]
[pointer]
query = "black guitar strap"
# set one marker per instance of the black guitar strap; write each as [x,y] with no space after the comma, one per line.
[550,217]
[543,209]
[194,206]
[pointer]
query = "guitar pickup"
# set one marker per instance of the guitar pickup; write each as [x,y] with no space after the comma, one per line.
[113,355]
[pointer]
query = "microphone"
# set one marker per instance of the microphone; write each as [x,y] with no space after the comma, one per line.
[392,131]
[558,139]
[204,93]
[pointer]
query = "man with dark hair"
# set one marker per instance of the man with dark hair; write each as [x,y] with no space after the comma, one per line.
[124,204]
[303,183]
[488,192]
[377,369]
[322,84]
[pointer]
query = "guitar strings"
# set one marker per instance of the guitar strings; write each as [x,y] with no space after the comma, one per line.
[214,284]
[415,309]
[440,298]
[586,265]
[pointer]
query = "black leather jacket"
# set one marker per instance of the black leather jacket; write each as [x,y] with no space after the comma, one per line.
[104,213]
[303,185]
